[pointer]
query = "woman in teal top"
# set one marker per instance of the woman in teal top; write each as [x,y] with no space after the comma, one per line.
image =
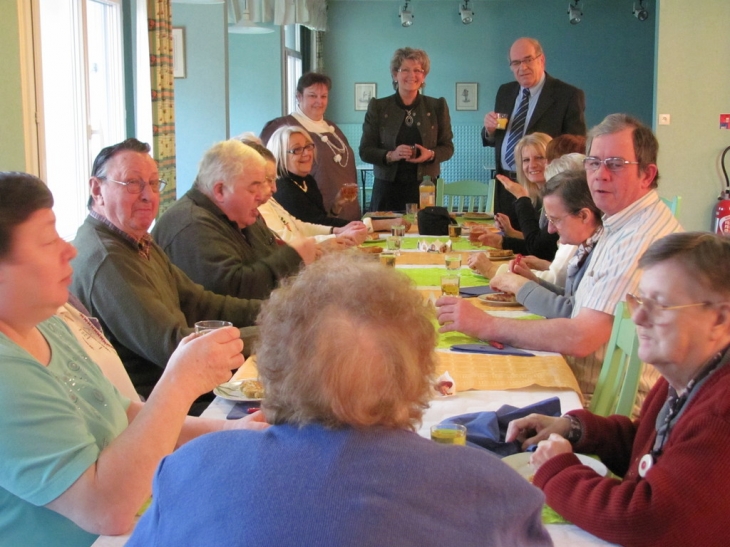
[78,457]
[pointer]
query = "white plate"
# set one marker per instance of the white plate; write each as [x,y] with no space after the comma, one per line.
[496,303]
[232,392]
[521,463]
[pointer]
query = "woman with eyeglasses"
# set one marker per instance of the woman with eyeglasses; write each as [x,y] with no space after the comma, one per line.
[534,239]
[572,214]
[672,486]
[335,162]
[296,189]
[405,136]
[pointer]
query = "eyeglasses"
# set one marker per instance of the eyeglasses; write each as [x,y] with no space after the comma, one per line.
[527,61]
[416,71]
[136,186]
[299,150]
[592,163]
[556,221]
[651,307]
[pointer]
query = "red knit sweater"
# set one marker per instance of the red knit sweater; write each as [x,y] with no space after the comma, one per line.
[684,499]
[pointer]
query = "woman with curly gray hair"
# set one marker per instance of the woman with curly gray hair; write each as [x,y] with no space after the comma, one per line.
[346,358]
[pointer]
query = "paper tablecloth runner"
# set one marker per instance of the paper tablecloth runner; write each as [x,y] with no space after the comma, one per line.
[431,277]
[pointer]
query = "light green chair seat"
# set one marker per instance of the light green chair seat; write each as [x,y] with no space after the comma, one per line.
[618,382]
[473,196]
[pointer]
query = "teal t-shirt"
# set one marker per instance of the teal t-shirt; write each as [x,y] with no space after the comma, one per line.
[54,422]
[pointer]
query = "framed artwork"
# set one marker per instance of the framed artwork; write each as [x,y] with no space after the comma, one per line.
[466,96]
[363,94]
[178,52]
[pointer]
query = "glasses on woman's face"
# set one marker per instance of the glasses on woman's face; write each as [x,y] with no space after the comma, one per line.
[136,186]
[299,150]
[652,307]
[416,71]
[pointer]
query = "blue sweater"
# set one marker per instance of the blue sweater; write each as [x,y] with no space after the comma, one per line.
[319,487]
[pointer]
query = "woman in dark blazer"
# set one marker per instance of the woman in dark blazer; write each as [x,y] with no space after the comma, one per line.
[407,135]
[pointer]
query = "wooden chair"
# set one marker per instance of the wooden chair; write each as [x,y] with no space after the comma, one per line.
[673,204]
[618,382]
[465,195]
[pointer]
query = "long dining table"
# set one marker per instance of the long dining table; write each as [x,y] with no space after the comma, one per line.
[482,382]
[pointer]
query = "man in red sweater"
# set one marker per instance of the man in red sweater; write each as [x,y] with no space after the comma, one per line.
[675,488]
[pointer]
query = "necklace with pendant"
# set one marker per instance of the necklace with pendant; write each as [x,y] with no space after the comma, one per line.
[409,117]
[302,186]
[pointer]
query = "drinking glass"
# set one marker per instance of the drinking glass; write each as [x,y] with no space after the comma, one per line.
[393,244]
[206,326]
[450,285]
[449,434]
[453,261]
[454,232]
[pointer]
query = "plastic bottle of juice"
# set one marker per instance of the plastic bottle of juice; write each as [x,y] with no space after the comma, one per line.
[427,193]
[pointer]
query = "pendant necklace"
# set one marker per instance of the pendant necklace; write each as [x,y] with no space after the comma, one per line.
[409,117]
[302,186]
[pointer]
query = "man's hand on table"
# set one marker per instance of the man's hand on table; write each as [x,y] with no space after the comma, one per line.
[508,282]
[534,428]
[480,263]
[307,248]
[457,314]
[355,230]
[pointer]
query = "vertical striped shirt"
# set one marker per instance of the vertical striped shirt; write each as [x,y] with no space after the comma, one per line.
[613,271]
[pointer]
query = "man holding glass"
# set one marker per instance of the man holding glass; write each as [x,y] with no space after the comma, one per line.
[622,176]
[145,304]
[534,102]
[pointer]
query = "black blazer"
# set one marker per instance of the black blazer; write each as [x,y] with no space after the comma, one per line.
[380,129]
[559,111]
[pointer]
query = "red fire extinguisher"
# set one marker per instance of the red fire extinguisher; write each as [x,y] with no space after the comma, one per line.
[722,208]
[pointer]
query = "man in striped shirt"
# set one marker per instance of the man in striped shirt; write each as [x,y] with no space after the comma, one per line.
[622,175]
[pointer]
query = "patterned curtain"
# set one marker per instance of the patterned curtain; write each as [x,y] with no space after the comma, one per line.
[159,17]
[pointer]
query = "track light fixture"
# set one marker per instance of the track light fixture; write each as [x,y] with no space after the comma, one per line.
[467,14]
[574,13]
[406,15]
[640,12]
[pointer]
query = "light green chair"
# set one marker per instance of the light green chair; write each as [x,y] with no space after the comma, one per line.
[618,382]
[673,204]
[465,195]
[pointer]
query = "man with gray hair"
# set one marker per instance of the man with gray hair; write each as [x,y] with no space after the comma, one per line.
[212,233]
[622,176]
[145,304]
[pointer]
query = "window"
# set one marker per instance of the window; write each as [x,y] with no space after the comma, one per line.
[292,64]
[80,95]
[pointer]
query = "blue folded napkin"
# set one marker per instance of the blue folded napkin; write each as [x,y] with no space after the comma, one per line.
[240,409]
[488,429]
[476,291]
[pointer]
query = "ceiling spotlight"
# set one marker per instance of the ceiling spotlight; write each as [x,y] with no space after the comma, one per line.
[406,16]
[640,12]
[574,13]
[467,15]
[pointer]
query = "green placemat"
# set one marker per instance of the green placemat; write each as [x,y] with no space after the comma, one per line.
[431,277]
[549,516]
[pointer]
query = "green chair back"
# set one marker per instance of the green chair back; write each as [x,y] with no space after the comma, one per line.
[618,382]
[673,204]
[472,196]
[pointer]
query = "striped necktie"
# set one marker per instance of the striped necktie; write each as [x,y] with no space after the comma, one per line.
[517,130]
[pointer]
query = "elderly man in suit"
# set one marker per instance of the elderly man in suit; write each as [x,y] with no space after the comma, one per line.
[535,102]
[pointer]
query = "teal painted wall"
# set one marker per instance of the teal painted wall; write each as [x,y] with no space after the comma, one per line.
[12,148]
[201,99]
[693,79]
[254,75]
[610,54]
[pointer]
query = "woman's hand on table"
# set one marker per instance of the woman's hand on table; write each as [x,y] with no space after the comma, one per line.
[514,188]
[383,225]
[355,230]
[534,428]
[457,314]
[554,445]
[491,240]
[503,222]
[480,263]
[508,282]
[307,248]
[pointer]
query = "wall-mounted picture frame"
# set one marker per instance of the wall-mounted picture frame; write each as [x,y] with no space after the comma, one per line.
[466,96]
[178,52]
[363,93]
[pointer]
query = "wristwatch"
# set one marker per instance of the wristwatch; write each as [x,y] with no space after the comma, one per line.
[576,429]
